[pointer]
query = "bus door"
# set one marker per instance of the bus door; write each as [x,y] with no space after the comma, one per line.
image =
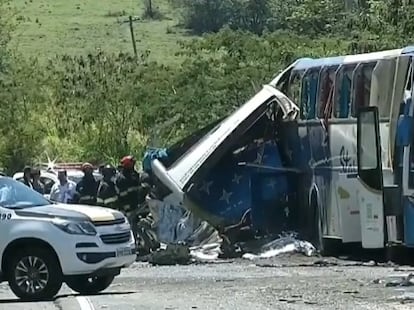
[343,213]
[356,92]
[386,85]
[369,183]
[343,188]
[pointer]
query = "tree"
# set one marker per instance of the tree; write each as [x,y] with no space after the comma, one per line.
[206,15]
[251,15]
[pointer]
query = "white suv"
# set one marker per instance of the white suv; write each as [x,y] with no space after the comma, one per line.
[43,244]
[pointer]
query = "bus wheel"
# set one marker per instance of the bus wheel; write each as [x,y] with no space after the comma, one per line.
[319,242]
[324,246]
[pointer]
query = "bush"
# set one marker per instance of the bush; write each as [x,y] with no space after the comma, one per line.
[99,107]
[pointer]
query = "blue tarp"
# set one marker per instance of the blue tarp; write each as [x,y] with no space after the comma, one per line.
[150,155]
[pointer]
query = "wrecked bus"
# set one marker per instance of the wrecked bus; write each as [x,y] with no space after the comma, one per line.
[330,93]
[233,167]
[290,155]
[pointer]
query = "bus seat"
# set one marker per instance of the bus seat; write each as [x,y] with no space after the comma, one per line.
[325,91]
[360,89]
[312,99]
[400,138]
[308,98]
[344,97]
[404,136]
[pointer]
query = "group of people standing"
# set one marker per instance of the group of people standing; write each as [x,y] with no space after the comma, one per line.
[124,190]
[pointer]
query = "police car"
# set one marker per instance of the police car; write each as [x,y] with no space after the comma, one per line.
[44,244]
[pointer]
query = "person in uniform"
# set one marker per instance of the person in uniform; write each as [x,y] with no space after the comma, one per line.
[87,186]
[147,237]
[128,184]
[107,195]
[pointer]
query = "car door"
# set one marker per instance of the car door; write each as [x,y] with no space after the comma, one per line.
[5,227]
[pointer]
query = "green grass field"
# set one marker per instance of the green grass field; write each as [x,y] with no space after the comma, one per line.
[49,27]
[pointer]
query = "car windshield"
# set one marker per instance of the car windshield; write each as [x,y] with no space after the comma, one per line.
[16,195]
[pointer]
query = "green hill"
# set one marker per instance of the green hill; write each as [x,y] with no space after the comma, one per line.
[49,27]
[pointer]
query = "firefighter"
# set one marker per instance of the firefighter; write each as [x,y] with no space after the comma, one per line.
[87,187]
[101,168]
[128,184]
[147,237]
[107,191]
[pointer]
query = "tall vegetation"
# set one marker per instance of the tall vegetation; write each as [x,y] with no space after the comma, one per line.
[98,107]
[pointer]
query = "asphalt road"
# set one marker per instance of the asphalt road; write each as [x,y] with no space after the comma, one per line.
[291,282]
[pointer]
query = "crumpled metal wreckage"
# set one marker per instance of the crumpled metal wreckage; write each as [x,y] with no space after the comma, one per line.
[172,234]
[237,187]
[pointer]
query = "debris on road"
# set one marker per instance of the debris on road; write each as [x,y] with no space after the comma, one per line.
[405,298]
[397,280]
[183,235]
[171,254]
[282,245]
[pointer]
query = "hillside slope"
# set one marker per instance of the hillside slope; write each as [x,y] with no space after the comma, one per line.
[49,27]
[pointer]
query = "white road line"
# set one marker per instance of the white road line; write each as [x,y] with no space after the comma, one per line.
[85,303]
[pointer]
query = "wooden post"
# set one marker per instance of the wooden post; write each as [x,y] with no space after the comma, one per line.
[150,8]
[131,28]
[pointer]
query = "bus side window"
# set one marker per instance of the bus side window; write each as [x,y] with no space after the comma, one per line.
[326,90]
[309,94]
[344,91]
[362,87]
[294,88]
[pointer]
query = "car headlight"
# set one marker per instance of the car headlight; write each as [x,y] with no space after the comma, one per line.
[76,228]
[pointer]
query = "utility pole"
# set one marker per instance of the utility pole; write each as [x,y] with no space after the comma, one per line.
[134,44]
[149,8]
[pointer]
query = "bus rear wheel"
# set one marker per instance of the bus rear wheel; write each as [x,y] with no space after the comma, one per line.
[325,247]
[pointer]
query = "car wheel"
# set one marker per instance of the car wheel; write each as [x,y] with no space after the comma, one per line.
[34,274]
[89,285]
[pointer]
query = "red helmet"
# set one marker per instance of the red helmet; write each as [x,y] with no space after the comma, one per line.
[87,166]
[128,161]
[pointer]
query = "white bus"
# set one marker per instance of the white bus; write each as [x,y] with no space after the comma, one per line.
[330,93]
[307,120]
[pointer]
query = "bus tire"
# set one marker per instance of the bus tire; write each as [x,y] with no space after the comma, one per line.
[324,246]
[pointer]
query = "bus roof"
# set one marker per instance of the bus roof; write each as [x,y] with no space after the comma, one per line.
[307,63]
